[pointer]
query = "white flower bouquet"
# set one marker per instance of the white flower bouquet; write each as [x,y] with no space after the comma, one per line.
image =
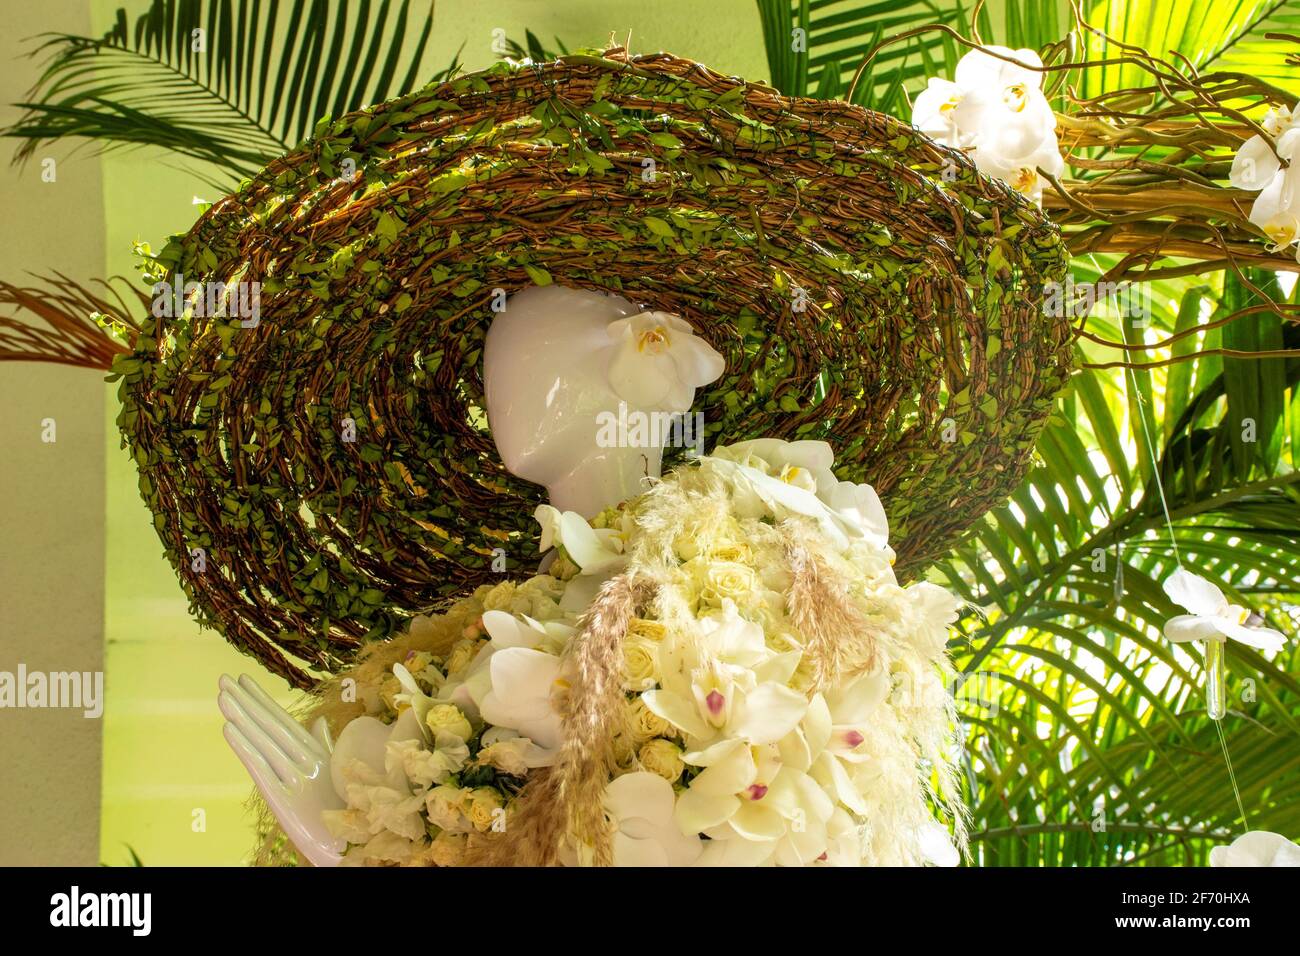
[767,692]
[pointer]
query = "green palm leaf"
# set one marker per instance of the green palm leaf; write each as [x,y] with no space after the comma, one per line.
[1088,740]
[1214,35]
[231,83]
[840,33]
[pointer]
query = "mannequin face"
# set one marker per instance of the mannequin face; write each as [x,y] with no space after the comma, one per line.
[557,362]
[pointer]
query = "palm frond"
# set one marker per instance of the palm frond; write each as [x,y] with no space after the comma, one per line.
[838,34]
[1089,742]
[68,323]
[230,83]
[1213,35]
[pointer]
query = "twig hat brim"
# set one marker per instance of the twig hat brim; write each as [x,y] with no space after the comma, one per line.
[330,461]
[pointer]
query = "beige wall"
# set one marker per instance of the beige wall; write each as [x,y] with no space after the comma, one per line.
[51,494]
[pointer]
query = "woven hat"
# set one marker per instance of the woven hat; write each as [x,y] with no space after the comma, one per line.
[321,470]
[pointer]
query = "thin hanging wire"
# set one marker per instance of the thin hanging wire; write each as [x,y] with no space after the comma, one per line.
[1232,776]
[1173,540]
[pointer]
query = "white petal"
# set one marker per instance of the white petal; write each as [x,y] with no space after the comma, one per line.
[584,545]
[507,631]
[1189,627]
[678,711]
[932,111]
[1194,593]
[641,379]
[1257,848]
[696,812]
[768,713]
[1275,212]
[640,794]
[1254,165]
[522,683]
[856,702]
[753,821]
[728,775]
[548,517]
[630,852]
[1288,144]
[817,724]
[736,852]
[364,739]
[1264,638]
[698,363]
[936,845]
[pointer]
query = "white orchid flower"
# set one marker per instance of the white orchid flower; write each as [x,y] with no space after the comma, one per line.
[1256,162]
[1212,618]
[525,685]
[1257,848]
[472,685]
[1277,122]
[1276,210]
[980,69]
[933,610]
[771,476]
[996,110]
[1021,173]
[936,845]
[932,113]
[640,806]
[659,361]
[593,550]
[745,792]
[836,729]
[723,682]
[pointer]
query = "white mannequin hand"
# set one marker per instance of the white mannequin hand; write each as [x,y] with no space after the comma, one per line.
[290,766]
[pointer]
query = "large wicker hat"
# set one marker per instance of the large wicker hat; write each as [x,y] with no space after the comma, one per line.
[321,474]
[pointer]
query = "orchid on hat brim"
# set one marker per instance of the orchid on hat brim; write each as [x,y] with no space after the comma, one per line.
[1212,618]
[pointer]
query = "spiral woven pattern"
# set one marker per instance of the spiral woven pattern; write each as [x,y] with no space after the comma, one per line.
[317,478]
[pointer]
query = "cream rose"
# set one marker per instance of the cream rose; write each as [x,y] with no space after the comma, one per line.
[447,849]
[640,664]
[443,805]
[644,723]
[500,597]
[448,718]
[481,806]
[716,581]
[650,630]
[662,757]
[461,654]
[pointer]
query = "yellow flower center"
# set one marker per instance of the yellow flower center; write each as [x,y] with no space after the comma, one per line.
[951,104]
[653,339]
[1024,180]
[790,474]
[1016,96]
[1244,616]
[1283,234]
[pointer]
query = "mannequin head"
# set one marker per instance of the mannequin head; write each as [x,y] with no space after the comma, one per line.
[556,360]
